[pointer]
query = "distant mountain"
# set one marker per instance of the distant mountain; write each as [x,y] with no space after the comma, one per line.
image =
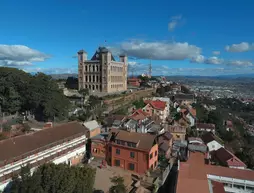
[233,76]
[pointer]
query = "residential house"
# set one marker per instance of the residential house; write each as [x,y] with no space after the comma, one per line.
[164,99]
[229,125]
[196,144]
[158,108]
[175,104]
[93,128]
[165,142]
[175,87]
[183,121]
[195,140]
[180,149]
[139,121]
[197,176]
[191,116]
[178,132]
[228,159]
[99,145]
[65,143]
[156,129]
[205,127]
[184,99]
[212,141]
[133,81]
[136,152]
[114,121]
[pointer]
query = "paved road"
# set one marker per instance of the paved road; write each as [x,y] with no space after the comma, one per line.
[171,181]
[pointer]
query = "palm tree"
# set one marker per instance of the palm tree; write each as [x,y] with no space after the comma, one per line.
[118,185]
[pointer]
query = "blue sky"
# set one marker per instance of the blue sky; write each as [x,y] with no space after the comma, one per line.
[182,37]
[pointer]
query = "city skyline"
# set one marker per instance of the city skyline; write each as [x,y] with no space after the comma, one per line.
[180,38]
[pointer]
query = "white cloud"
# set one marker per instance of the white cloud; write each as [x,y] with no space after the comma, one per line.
[198,59]
[241,47]
[216,52]
[174,21]
[132,63]
[19,55]
[215,60]
[240,63]
[157,50]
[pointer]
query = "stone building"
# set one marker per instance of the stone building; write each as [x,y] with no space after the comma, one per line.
[102,73]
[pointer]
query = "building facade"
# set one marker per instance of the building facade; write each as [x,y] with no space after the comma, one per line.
[136,152]
[156,108]
[102,73]
[61,144]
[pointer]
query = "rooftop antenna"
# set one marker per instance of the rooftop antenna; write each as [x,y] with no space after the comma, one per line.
[150,68]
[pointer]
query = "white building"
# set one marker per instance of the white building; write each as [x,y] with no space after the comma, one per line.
[212,141]
[205,127]
[200,176]
[61,144]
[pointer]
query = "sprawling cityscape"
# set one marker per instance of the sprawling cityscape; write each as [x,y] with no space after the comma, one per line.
[126,97]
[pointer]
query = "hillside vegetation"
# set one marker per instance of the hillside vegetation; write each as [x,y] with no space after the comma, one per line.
[39,94]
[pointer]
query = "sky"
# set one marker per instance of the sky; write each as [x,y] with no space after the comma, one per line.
[183,37]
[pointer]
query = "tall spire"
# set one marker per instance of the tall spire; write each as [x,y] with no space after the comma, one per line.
[150,69]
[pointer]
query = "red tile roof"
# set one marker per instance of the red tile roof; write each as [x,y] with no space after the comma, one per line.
[139,114]
[193,173]
[160,105]
[226,157]
[206,125]
[218,187]
[229,123]
[18,146]
[144,141]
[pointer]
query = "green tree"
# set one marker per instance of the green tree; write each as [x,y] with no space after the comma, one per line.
[51,178]
[118,185]
[39,94]
[139,103]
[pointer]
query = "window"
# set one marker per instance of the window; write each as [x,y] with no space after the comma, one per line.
[132,154]
[155,153]
[131,166]
[118,142]
[118,151]
[117,162]
[155,163]
[110,149]
[151,155]
[131,144]
[122,142]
